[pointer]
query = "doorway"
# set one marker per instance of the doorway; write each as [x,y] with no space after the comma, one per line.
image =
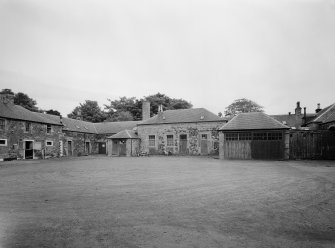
[69,148]
[183,144]
[204,144]
[87,147]
[102,148]
[28,149]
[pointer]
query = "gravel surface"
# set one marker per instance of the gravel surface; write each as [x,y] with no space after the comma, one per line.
[166,202]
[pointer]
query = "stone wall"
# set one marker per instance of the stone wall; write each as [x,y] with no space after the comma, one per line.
[192,130]
[16,135]
[78,143]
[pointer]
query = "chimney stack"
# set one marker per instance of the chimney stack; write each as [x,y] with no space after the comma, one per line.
[298,109]
[305,120]
[7,98]
[318,108]
[145,110]
[160,108]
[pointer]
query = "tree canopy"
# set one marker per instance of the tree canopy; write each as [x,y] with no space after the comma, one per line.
[242,105]
[23,100]
[127,108]
[52,112]
[88,111]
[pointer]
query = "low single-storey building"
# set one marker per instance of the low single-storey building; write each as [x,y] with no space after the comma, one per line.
[254,136]
[183,132]
[124,143]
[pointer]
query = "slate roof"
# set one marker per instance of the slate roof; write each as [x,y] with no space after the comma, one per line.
[293,120]
[114,127]
[12,111]
[125,134]
[183,116]
[325,115]
[253,121]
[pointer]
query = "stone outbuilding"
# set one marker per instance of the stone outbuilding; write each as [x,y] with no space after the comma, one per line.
[183,132]
[124,143]
[324,119]
[25,134]
[254,136]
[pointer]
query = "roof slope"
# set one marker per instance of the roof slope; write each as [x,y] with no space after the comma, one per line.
[17,112]
[125,134]
[183,116]
[293,120]
[114,127]
[325,115]
[253,121]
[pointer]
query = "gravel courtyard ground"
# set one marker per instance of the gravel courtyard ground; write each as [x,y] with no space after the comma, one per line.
[166,202]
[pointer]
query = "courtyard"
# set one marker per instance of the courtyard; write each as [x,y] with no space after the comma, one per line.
[166,202]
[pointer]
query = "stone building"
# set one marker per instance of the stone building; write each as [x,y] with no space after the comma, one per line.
[31,135]
[298,119]
[124,143]
[324,119]
[25,134]
[184,131]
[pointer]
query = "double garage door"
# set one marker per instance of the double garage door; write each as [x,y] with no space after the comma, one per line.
[254,145]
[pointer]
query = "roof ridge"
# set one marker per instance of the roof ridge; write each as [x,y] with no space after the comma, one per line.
[329,108]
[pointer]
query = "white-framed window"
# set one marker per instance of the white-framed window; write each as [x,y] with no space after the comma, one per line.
[169,140]
[2,124]
[49,143]
[27,126]
[152,140]
[3,142]
[49,128]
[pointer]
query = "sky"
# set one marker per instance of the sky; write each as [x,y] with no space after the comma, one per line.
[208,52]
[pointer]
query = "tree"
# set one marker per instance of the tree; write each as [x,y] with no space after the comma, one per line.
[7,91]
[116,108]
[88,111]
[53,112]
[167,102]
[124,108]
[121,116]
[25,101]
[220,114]
[242,105]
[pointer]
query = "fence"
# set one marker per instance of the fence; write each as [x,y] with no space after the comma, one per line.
[312,144]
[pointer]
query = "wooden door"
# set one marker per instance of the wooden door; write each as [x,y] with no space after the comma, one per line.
[267,149]
[102,148]
[204,144]
[69,148]
[183,144]
[115,148]
[123,148]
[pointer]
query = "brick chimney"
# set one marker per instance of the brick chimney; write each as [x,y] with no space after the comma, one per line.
[298,109]
[7,98]
[145,110]
[318,108]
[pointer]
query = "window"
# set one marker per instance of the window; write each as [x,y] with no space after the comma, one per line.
[260,136]
[48,128]
[231,136]
[2,124]
[169,140]
[244,136]
[3,142]
[151,140]
[49,143]
[204,136]
[275,136]
[27,126]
